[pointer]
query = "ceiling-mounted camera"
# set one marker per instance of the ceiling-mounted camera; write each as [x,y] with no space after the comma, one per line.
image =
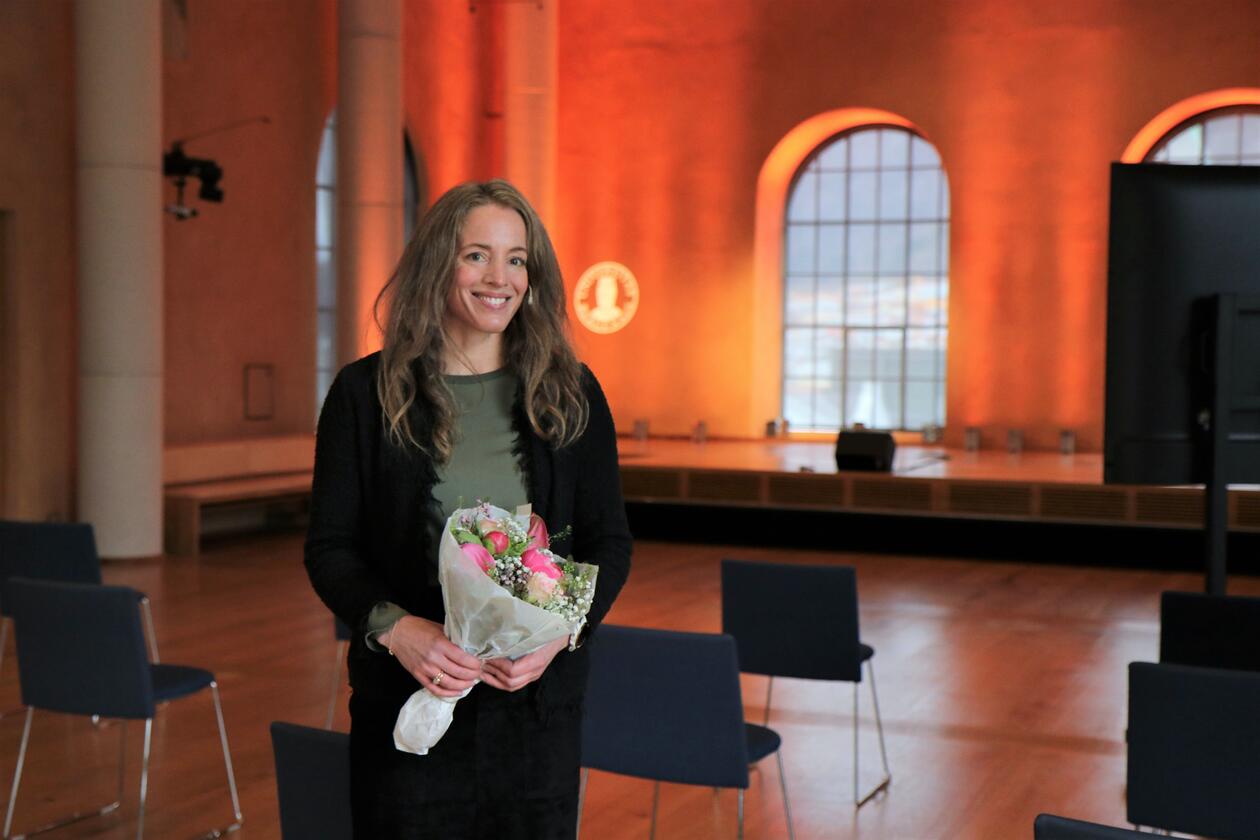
[179,167]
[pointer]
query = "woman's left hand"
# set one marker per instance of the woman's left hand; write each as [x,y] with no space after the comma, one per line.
[510,675]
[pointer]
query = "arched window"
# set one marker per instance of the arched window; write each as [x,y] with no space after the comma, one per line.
[1224,136]
[866,281]
[325,248]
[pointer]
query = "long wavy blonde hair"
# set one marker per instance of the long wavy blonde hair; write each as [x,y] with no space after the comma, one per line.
[535,345]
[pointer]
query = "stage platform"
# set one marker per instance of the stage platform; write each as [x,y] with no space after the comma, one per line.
[925,481]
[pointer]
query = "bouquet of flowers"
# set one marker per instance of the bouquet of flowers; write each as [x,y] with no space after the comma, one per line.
[506,595]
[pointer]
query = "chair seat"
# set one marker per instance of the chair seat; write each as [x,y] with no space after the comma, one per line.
[865,652]
[761,741]
[173,681]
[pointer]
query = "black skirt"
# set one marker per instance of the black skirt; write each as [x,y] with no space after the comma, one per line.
[505,769]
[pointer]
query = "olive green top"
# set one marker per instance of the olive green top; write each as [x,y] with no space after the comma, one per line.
[481,467]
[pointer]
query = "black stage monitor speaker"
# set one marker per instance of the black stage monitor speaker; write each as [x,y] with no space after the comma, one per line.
[870,451]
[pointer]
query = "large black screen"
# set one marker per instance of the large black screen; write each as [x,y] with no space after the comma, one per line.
[1178,235]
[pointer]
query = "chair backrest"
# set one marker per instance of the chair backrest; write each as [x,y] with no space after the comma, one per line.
[792,620]
[1050,827]
[64,551]
[341,630]
[1212,631]
[313,782]
[80,648]
[1194,765]
[664,705]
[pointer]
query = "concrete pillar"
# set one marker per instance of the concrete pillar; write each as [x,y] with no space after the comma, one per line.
[529,92]
[118,69]
[369,165]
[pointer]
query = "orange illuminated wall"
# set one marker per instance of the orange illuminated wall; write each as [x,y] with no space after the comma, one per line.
[671,120]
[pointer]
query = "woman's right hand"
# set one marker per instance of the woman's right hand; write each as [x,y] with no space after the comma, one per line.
[422,648]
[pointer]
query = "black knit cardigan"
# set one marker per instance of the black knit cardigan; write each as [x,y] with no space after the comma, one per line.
[375,523]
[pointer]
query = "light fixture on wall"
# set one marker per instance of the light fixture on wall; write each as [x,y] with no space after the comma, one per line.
[179,167]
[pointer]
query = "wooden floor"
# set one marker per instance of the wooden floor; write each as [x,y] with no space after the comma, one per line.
[1002,689]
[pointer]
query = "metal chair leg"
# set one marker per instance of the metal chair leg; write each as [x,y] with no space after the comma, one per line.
[585,777]
[741,814]
[60,823]
[147,609]
[336,683]
[656,798]
[787,807]
[769,688]
[879,726]
[227,763]
[144,776]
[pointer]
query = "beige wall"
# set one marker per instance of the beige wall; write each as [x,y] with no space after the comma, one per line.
[667,111]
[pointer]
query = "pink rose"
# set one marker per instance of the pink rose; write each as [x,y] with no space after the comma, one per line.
[498,541]
[541,589]
[486,525]
[478,554]
[540,563]
[538,532]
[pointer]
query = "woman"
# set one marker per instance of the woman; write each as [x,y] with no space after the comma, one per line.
[476,394]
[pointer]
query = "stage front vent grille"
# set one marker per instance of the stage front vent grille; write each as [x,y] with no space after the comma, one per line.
[892,495]
[990,499]
[1247,510]
[1174,507]
[651,484]
[820,490]
[724,487]
[1083,503]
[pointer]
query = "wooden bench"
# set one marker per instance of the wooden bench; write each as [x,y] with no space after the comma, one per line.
[238,473]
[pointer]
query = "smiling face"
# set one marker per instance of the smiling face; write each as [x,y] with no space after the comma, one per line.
[491,278]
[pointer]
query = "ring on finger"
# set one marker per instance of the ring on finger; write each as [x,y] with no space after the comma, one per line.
[437,680]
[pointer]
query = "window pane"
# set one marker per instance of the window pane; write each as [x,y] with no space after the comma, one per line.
[1221,137]
[923,153]
[801,207]
[326,168]
[325,279]
[877,405]
[860,302]
[888,355]
[833,198]
[797,402]
[923,247]
[920,404]
[892,194]
[861,249]
[921,349]
[890,309]
[860,352]
[799,351]
[325,339]
[894,148]
[862,196]
[831,249]
[800,249]
[827,349]
[800,300]
[925,194]
[1251,135]
[826,404]
[892,249]
[835,156]
[1187,146]
[864,149]
[325,218]
[924,303]
[831,300]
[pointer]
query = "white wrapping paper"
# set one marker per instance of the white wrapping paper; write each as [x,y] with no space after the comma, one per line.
[485,620]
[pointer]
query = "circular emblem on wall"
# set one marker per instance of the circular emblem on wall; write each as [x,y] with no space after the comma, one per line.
[606,297]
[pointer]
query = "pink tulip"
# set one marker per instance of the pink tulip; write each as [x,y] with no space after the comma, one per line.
[498,541]
[478,554]
[538,532]
[540,563]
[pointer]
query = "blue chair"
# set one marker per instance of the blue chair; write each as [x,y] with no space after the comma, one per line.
[666,706]
[1050,827]
[1193,765]
[341,632]
[801,621]
[63,551]
[312,781]
[80,650]
[1210,631]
